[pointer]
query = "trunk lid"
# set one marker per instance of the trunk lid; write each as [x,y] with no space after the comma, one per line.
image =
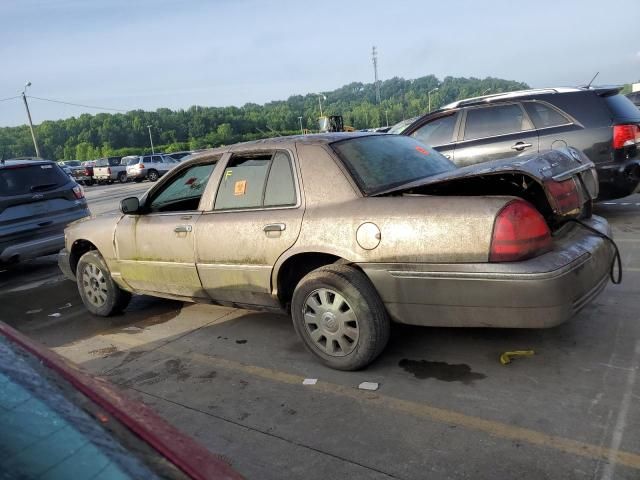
[561,183]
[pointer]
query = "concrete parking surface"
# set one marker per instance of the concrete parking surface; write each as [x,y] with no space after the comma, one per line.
[445,408]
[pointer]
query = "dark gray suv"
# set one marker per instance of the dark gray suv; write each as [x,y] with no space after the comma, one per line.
[37,201]
[599,121]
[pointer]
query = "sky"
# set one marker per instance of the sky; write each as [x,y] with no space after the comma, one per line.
[148,54]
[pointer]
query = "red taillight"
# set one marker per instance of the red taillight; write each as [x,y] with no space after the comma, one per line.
[141,166]
[109,170]
[625,136]
[78,192]
[565,195]
[519,232]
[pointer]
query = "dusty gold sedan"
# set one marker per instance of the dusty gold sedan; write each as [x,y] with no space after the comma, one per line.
[348,232]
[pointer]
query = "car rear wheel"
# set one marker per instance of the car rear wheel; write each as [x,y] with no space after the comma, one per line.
[98,291]
[122,177]
[340,318]
[152,175]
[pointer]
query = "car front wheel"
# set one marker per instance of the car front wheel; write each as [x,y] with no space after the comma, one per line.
[340,317]
[98,291]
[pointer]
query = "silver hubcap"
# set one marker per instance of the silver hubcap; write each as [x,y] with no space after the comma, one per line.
[330,322]
[94,285]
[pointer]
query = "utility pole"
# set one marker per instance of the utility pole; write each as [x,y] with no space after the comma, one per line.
[429,95]
[26,106]
[374,58]
[151,139]
[301,130]
[320,98]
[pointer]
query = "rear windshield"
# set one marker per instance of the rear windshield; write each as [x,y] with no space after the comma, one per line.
[31,179]
[73,163]
[103,162]
[381,162]
[622,108]
[132,161]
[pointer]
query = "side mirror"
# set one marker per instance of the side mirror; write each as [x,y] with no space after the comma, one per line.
[130,205]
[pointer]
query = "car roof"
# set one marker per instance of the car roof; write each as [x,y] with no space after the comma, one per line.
[529,93]
[12,162]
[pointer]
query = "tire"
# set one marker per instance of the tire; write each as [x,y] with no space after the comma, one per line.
[352,326]
[153,176]
[122,177]
[98,291]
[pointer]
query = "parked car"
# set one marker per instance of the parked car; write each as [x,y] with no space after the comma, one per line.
[348,231]
[151,167]
[635,98]
[70,166]
[109,170]
[59,422]
[84,176]
[37,201]
[599,121]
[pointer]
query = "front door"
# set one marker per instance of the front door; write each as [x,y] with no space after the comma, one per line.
[494,132]
[156,249]
[256,217]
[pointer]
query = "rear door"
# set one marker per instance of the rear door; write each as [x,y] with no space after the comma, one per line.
[256,217]
[494,132]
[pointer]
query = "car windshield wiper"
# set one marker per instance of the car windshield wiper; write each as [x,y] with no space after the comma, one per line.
[44,186]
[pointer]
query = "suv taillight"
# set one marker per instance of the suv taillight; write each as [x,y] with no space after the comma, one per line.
[565,195]
[625,136]
[78,192]
[141,166]
[519,233]
[109,170]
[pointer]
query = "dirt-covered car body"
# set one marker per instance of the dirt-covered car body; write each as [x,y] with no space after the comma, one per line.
[258,218]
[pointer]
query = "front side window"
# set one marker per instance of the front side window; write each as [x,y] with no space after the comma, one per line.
[183,192]
[381,162]
[544,116]
[257,181]
[495,120]
[436,133]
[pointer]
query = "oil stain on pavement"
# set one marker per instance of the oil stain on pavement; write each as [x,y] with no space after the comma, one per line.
[446,372]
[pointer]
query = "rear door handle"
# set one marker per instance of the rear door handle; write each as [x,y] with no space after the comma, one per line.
[275,227]
[520,146]
[183,228]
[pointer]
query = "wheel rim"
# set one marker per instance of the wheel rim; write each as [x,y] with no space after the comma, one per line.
[94,284]
[330,322]
[153,176]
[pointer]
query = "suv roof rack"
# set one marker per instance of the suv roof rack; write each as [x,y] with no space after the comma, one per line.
[508,95]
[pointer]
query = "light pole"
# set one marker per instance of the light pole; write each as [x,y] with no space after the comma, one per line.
[151,139]
[301,130]
[26,106]
[320,98]
[429,94]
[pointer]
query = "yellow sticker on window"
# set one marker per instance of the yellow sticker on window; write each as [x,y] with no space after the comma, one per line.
[240,187]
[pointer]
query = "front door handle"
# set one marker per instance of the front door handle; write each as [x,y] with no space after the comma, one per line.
[275,227]
[183,229]
[520,146]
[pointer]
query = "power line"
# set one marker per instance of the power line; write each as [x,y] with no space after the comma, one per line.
[9,98]
[78,104]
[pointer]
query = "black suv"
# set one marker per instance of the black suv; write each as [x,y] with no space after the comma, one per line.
[599,121]
[37,201]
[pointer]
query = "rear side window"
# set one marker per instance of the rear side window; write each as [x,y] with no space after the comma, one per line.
[492,121]
[622,108]
[544,116]
[157,159]
[436,133]
[256,181]
[31,179]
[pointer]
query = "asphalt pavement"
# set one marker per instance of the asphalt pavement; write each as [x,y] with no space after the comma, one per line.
[446,408]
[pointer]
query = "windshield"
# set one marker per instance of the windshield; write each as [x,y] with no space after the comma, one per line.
[402,126]
[21,180]
[379,162]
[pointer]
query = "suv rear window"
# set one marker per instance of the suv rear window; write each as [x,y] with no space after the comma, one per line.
[21,180]
[622,108]
[381,162]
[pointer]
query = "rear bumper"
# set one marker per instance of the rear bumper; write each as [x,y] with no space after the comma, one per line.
[538,293]
[618,179]
[33,248]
